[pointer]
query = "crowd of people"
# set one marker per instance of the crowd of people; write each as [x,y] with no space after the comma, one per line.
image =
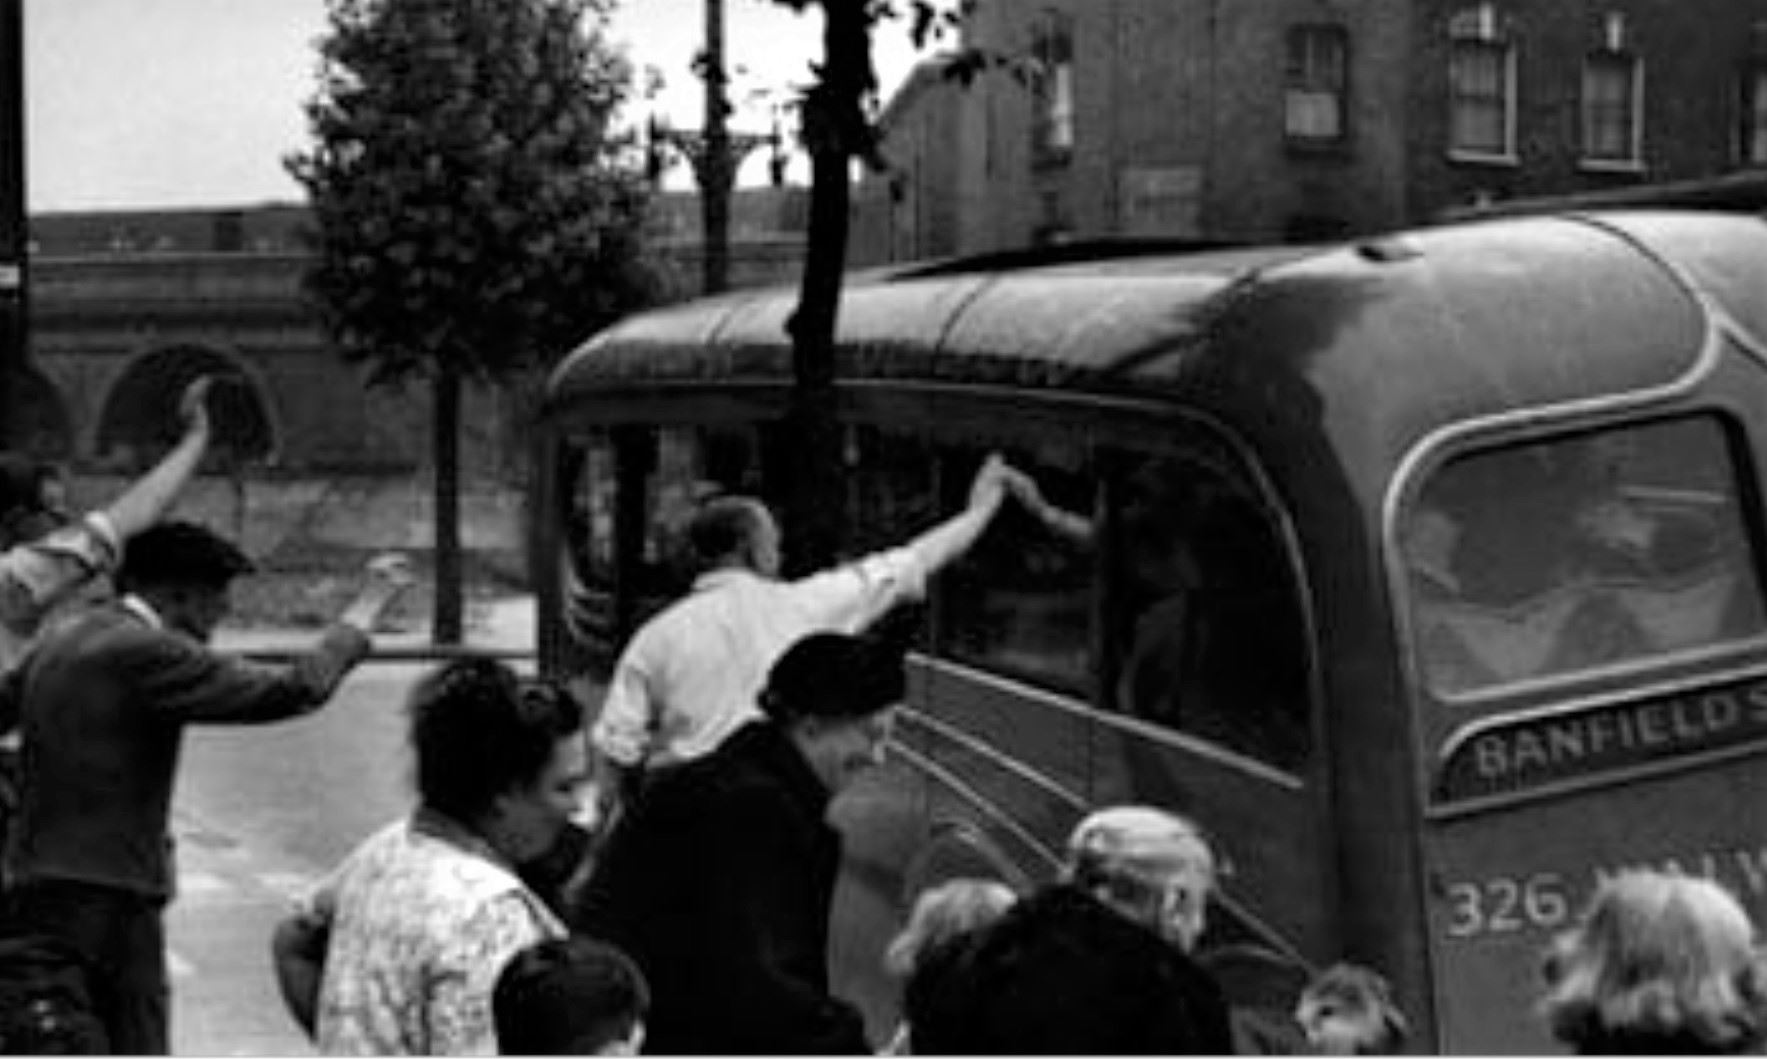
[695,918]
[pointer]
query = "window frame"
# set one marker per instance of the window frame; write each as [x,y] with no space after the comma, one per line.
[1449,707]
[1751,125]
[1476,32]
[1631,67]
[1313,70]
[1053,102]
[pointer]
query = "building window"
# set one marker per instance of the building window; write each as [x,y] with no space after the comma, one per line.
[1316,84]
[1052,129]
[1481,88]
[1613,96]
[1754,114]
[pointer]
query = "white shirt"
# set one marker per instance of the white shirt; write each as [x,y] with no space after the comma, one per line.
[690,675]
[36,577]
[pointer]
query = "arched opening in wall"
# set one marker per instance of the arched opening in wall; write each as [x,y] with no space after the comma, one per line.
[40,424]
[140,418]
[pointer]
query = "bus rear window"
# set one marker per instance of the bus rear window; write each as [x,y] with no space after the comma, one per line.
[1578,554]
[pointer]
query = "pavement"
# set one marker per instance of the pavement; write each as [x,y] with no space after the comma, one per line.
[234,886]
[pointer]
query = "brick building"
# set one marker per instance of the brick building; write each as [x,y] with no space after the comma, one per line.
[1299,119]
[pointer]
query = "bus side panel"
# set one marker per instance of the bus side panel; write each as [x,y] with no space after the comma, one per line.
[1500,884]
[1271,835]
[983,779]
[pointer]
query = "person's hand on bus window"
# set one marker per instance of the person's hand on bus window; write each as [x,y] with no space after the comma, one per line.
[1065,524]
[988,488]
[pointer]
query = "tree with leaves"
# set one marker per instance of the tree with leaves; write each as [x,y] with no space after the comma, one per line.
[475,214]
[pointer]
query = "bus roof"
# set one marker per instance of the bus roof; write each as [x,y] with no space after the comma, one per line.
[1371,342]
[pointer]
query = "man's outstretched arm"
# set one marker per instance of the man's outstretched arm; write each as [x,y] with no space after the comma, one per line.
[142,504]
[949,540]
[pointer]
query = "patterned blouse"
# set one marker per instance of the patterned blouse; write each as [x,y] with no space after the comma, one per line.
[422,918]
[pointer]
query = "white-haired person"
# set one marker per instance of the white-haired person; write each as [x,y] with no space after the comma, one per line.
[1658,963]
[1099,962]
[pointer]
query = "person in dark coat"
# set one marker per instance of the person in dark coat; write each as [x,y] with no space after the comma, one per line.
[104,700]
[720,877]
[1095,964]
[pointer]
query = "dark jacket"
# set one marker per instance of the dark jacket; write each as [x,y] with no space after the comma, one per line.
[1062,974]
[718,882]
[1665,1042]
[103,701]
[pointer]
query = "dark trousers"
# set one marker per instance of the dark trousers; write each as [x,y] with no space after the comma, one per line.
[122,936]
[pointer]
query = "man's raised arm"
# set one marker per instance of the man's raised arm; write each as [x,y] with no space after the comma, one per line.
[142,504]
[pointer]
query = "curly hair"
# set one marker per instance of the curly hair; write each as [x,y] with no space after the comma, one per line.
[948,910]
[478,730]
[1657,955]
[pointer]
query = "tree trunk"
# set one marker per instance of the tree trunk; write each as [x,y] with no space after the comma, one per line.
[835,125]
[715,169]
[446,623]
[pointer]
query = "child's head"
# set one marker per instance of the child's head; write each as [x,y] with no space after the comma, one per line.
[942,913]
[570,996]
[1349,1010]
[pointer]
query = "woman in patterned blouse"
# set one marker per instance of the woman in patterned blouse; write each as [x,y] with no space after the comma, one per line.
[397,952]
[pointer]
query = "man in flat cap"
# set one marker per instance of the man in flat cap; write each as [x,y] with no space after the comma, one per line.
[102,701]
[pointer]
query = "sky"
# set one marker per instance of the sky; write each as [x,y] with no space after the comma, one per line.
[139,104]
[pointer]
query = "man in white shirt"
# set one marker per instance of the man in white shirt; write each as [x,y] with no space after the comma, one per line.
[690,675]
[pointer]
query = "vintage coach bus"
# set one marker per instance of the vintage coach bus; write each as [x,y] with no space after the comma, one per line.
[1425,572]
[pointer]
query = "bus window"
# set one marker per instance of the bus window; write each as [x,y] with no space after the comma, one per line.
[1212,637]
[891,495]
[1021,602]
[589,529]
[1575,554]
[692,464]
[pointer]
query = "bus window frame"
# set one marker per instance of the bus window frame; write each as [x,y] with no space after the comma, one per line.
[1109,426]
[1444,723]
[1114,428]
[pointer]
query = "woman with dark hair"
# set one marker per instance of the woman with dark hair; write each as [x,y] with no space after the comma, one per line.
[719,879]
[397,952]
[1659,964]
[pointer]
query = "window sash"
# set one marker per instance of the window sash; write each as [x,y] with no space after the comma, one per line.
[1480,86]
[1316,80]
[1610,108]
[1755,127]
[1053,92]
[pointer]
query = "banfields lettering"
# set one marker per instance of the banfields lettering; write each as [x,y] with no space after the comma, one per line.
[1541,751]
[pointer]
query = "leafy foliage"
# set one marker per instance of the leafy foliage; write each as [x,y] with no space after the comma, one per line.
[471,201]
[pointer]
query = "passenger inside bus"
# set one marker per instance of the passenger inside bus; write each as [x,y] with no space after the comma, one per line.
[1576,554]
[1210,626]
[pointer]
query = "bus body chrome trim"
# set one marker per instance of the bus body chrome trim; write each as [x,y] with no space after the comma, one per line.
[1573,785]
[982,804]
[1171,739]
[1595,700]
[1264,932]
[951,733]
